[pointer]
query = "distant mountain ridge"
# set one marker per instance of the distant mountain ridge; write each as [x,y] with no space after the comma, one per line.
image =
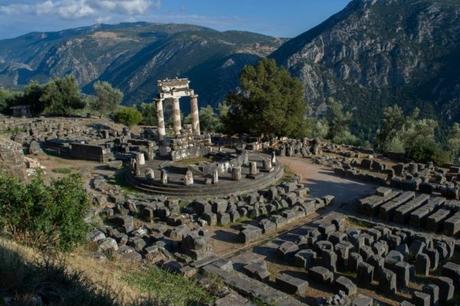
[133,56]
[372,54]
[379,52]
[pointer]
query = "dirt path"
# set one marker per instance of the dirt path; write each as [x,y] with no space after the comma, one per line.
[322,181]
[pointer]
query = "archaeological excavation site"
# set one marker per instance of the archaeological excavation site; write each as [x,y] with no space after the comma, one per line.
[277,221]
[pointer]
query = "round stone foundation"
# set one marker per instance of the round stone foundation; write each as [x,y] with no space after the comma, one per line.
[216,174]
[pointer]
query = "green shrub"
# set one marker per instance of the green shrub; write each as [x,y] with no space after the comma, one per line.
[128,116]
[44,215]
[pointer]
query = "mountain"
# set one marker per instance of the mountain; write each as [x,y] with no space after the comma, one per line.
[380,52]
[133,56]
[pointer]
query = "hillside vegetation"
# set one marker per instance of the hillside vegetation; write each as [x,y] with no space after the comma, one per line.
[133,56]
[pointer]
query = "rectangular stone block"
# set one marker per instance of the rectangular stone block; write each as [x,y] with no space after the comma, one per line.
[291,284]
[452,225]
[401,214]
[370,204]
[421,299]
[321,274]
[434,221]
[446,287]
[250,234]
[345,284]
[417,217]
[385,211]
[452,271]
[365,274]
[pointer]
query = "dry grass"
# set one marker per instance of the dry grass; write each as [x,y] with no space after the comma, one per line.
[79,279]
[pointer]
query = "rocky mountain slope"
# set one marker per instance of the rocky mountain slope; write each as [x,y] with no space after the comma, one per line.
[380,52]
[132,56]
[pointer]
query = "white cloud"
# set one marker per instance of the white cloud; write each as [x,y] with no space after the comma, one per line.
[76,9]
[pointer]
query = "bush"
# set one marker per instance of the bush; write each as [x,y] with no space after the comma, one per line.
[148,112]
[128,116]
[422,150]
[62,96]
[107,99]
[44,215]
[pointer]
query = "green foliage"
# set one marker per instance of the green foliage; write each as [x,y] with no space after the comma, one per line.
[453,140]
[148,112]
[209,121]
[62,96]
[339,124]
[169,288]
[6,98]
[414,136]
[393,122]
[346,137]
[107,99]
[338,119]
[316,128]
[271,102]
[44,215]
[128,116]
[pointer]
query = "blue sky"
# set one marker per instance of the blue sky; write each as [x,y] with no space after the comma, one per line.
[286,18]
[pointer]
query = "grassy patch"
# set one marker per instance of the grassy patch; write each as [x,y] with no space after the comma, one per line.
[359,223]
[168,288]
[119,179]
[288,176]
[63,170]
[193,161]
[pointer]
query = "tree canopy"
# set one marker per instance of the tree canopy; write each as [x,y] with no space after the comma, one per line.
[270,102]
[62,96]
[107,99]
[128,116]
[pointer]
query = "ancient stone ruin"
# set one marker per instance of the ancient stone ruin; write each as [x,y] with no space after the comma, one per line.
[202,204]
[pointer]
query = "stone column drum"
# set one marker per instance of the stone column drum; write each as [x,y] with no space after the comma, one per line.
[164,177]
[236,173]
[177,124]
[160,119]
[188,179]
[140,159]
[253,168]
[195,115]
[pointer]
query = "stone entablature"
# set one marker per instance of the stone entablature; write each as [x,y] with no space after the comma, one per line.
[174,89]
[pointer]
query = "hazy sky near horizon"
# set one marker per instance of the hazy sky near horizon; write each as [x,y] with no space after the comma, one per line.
[283,18]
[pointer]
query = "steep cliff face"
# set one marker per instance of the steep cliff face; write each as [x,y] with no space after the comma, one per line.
[133,56]
[377,52]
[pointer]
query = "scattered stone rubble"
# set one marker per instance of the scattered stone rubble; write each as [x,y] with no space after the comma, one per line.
[396,263]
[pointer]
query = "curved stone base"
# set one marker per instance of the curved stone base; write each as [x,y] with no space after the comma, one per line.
[224,187]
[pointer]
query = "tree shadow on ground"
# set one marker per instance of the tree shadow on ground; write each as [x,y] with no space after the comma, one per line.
[344,191]
[226,236]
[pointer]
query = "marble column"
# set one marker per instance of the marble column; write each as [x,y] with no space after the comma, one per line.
[195,115]
[177,124]
[160,119]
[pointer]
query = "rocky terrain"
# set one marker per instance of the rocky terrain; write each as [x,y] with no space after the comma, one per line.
[132,56]
[377,53]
